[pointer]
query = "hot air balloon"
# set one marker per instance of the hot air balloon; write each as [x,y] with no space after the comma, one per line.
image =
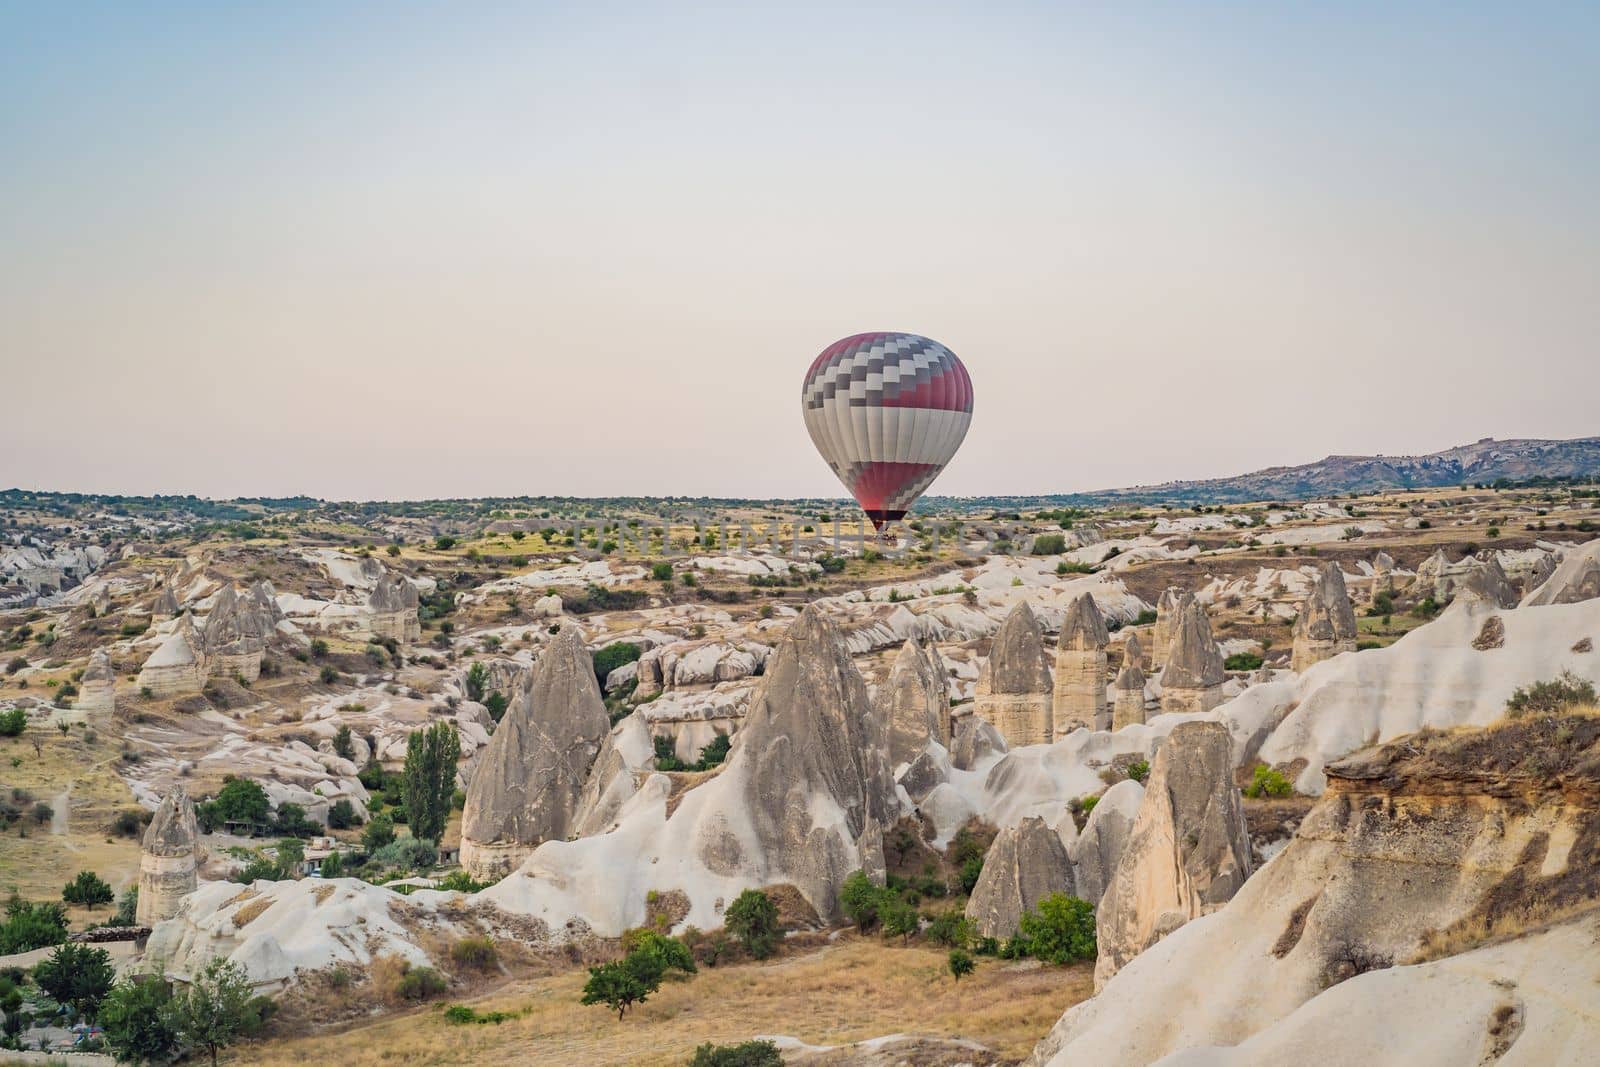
[887,411]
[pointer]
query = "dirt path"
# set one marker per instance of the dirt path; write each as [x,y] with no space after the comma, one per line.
[59,807]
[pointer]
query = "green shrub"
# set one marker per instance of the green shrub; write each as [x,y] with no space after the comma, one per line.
[661,572]
[139,1022]
[959,963]
[745,1054]
[1139,770]
[478,953]
[344,745]
[1565,691]
[29,926]
[672,954]
[420,983]
[1267,782]
[859,899]
[1060,930]
[1145,617]
[88,889]
[379,832]
[13,722]
[611,657]
[1049,545]
[342,815]
[1382,604]
[461,1015]
[1072,566]
[753,919]
[951,929]
[1243,661]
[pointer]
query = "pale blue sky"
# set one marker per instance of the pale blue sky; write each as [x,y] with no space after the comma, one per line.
[405,250]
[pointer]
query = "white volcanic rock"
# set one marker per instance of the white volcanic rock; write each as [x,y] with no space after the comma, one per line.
[528,782]
[1099,847]
[176,667]
[169,860]
[1026,863]
[914,703]
[1080,670]
[977,744]
[1327,623]
[1015,690]
[1188,851]
[797,802]
[1424,849]
[1192,678]
[1433,676]
[394,604]
[1128,705]
[97,687]
[1576,578]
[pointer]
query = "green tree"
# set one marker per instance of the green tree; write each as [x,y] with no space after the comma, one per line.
[477,677]
[496,703]
[88,889]
[1060,930]
[138,1020]
[430,778]
[29,926]
[613,656]
[673,954]
[753,919]
[379,832]
[899,918]
[216,1009]
[342,815]
[860,900]
[332,865]
[959,963]
[242,800]
[621,985]
[344,745]
[77,975]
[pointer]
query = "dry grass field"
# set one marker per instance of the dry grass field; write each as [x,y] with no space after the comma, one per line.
[74,774]
[854,989]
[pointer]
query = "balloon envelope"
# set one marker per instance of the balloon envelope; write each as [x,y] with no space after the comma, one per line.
[887,411]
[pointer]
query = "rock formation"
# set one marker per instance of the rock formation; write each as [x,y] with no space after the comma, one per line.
[1133,651]
[1192,678]
[975,741]
[1486,583]
[1168,609]
[97,688]
[1576,578]
[1014,690]
[1080,674]
[912,701]
[1188,851]
[1327,623]
[177,666]
[236,635]
[1128,706]
[169,859]
[812,768]
[393,603]
[1443,892]
[1382,576]
[528,781]
[627,749]
[1026,863]
[1098,849]
[166,605]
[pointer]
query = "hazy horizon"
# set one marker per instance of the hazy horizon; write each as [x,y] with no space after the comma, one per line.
[420,252]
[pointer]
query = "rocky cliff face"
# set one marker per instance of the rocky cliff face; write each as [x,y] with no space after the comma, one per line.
[1327,623]
[1015,690]
[1025,864]
[1128,706]
[528,782]
[1188,851]
[1098,850]
[1421,853]
[394,605]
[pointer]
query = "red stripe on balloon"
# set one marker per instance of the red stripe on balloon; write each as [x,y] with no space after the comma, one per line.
[877,482]
[942,392]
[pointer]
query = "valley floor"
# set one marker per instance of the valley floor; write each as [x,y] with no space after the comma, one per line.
[852,990]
